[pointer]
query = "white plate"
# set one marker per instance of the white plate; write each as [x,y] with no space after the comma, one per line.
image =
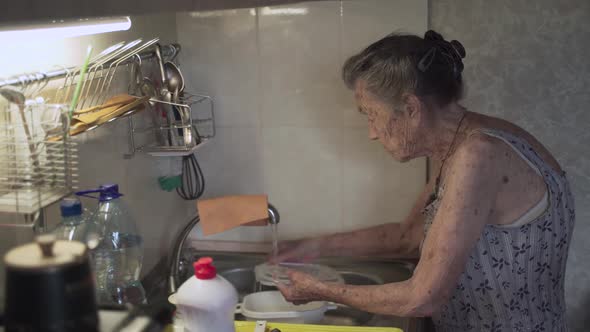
[269,274]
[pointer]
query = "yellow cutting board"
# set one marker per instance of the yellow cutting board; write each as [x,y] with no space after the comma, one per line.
[249,327]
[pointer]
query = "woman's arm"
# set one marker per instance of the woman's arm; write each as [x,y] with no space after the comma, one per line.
[399,240]
[470,194]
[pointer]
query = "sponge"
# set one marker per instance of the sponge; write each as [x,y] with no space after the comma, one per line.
[170,183]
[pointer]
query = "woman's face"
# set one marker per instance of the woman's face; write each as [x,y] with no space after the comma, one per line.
[395,129]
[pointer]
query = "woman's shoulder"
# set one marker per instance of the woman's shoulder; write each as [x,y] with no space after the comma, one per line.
[480,148]
[482,130]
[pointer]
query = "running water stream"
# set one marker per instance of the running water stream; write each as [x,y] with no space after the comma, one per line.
[275,241]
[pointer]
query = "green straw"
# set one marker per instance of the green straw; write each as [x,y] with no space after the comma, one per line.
[80,80]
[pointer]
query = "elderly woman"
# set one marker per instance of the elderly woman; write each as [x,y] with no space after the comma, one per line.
[493,227]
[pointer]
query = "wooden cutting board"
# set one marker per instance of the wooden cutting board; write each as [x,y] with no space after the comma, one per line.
[113,107]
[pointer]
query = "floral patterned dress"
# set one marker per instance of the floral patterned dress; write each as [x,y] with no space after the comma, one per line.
[514,277]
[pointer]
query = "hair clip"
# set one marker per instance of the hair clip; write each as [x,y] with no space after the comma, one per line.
[427,60]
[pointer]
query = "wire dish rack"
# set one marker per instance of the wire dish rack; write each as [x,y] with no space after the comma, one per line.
[193,127]
[38,161]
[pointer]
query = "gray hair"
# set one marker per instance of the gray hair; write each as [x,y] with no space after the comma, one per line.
[428,67]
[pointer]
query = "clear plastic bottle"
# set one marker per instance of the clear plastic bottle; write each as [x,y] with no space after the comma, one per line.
[116,249]
[73,226]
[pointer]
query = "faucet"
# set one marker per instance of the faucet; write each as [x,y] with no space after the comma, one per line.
[176,260]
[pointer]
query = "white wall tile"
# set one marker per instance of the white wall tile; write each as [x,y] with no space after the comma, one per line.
[232,162]
[367,21]
[220,58]
[299,65]
[303,178]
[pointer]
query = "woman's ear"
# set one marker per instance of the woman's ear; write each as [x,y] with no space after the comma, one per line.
[412,105]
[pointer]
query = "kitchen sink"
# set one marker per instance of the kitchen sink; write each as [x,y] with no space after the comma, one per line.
[243,279]
[238,269]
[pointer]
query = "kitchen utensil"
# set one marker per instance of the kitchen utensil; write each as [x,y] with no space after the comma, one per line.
[166,97]
[114,108]
[269,274]
[185,131]
[176,83]
[49,287]
[271,306]
[131,108]
[168,109]
[174,77]
[85,120]
[193,181]
[160,60]
[115,101]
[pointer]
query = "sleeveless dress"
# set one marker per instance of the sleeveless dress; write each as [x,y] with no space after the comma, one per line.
[514,277]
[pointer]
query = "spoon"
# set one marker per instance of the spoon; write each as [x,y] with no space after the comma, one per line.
[176,84]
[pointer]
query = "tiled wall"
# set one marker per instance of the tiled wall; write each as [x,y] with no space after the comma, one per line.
[286,124]
[528,62]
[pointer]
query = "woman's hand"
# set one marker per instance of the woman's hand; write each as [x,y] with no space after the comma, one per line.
[303,251]
[303,288]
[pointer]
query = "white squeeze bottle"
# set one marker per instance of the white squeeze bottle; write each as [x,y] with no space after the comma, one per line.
[207,302]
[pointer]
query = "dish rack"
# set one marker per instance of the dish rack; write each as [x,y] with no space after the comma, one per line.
[198,123]
[38,160]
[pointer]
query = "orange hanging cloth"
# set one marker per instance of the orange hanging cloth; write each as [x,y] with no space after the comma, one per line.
[224,213]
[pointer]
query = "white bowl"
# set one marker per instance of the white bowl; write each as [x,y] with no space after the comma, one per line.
[271,306]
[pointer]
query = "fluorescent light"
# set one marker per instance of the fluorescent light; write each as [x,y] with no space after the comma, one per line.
[280,11]
[214,13]
[58,29]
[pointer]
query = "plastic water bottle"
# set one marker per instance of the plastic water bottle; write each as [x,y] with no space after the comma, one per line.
[207,301]
[72,226]
[116,249]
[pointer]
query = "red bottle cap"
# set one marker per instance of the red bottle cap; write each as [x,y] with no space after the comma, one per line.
[204,269]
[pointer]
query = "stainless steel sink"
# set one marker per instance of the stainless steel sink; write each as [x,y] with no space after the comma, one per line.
[245,283]
[238,269]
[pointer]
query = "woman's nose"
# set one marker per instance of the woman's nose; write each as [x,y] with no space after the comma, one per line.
[372,133]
